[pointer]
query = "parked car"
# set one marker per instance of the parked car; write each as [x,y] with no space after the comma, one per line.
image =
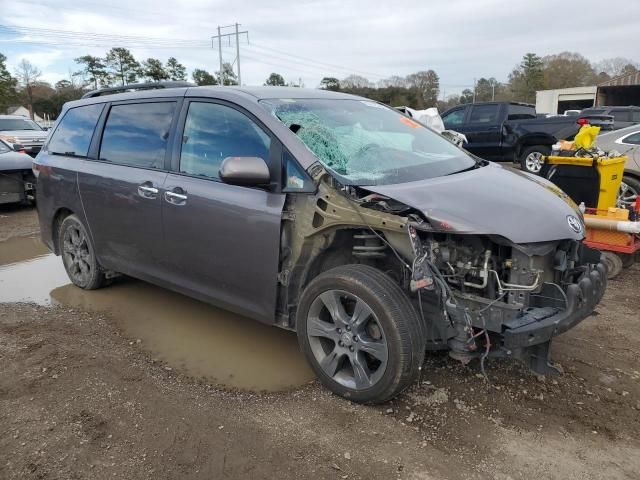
[627,142]
[612,118]
[18,130]
[509,131]
[329,214]
[17,182]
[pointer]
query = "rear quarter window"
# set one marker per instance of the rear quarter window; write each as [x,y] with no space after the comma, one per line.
[73,135]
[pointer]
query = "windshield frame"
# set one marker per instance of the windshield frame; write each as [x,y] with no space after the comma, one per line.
[454,159]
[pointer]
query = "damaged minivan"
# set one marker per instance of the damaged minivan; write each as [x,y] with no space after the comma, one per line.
[371,236]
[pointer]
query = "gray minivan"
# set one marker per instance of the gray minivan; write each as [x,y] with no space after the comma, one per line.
[371,236]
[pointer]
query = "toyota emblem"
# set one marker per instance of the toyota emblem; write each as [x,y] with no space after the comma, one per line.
[574,223]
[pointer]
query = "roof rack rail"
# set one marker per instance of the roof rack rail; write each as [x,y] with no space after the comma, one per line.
[137,86]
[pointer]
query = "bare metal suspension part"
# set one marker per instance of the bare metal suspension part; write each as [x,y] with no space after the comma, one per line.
[371,247]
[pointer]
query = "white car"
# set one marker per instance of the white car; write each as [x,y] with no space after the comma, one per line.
[627,142]
[17,182]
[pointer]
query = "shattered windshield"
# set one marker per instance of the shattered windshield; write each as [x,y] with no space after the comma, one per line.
[366,143]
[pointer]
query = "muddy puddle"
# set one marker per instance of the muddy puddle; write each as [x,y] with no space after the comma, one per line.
[190,336]
[28,271]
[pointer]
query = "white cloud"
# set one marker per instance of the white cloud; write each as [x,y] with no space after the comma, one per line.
[460,39]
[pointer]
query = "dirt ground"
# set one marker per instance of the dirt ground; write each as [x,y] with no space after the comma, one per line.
[81,399]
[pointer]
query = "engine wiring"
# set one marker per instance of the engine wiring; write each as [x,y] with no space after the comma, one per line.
[446,296]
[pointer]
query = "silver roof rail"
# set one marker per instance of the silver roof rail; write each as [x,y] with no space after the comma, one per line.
[137,86]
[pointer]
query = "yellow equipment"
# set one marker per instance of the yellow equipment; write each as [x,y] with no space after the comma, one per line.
[586,137]
[610,172]
[594,182]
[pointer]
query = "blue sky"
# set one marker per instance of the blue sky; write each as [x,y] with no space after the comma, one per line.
[460,39]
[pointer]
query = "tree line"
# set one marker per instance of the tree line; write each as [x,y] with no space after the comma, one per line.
[419,90]
[117,67]
[422,89]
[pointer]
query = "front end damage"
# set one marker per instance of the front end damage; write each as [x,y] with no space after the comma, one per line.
[479,295]
[502,299]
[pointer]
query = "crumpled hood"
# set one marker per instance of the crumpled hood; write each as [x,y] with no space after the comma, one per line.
[492,200]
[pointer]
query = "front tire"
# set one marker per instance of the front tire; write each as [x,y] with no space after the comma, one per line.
[78,255]
[531,158]
[360,333]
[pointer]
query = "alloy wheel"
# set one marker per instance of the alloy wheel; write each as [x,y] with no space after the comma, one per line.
[534,162]
[627,196]
[76,254]
[347,339]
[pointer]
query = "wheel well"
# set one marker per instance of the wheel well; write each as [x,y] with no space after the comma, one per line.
[533,141]
[347,246]
[632,174]
[58,218]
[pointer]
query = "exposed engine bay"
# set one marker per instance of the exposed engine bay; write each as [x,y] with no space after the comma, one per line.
[479,295]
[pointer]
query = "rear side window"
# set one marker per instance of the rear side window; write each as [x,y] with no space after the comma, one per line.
[521,112]
[73,135]
[213,132]
[484,114]
[633,139]
[136,134]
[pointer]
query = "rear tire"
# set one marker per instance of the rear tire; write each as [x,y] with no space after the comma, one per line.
[360,333]
[78,255]
[531,158]
[613,263]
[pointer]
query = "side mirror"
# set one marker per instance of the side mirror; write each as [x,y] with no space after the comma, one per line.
[246,171]
[19,148]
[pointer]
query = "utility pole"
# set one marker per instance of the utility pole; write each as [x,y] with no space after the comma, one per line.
[493,91]
[238,55]
[220,49]
[474,90]
[237,34]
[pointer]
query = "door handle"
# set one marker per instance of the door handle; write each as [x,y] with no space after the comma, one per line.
[176,197]
[147,190]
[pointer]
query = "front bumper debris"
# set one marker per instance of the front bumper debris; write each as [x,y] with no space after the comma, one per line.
[541,324]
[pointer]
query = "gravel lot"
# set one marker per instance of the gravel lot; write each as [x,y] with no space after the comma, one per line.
[80,398]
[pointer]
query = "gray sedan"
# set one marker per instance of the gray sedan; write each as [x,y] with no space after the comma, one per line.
[627,142]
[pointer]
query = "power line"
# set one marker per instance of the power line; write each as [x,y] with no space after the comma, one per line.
[318,62]
[100,37]
[108,40]
[258,53]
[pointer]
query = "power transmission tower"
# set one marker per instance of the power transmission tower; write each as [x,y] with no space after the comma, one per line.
[237,34]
